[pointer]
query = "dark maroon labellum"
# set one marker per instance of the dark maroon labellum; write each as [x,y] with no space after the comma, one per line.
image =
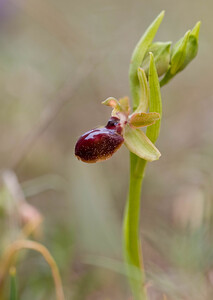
[100,144]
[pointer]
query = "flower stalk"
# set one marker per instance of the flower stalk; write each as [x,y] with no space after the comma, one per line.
[132,244]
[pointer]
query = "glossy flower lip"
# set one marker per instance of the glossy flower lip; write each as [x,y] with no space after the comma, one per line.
[101,143]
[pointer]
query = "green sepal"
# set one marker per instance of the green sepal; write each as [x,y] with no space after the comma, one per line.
[161,52]
[138,56]
[144,92]
[138,143]
[143,119]
[155,104]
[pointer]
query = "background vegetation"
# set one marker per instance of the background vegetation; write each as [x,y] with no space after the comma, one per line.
[58,61]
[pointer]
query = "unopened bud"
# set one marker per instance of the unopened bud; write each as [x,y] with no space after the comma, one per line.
[192,45]
[183,52]
[161,53]
[179,54]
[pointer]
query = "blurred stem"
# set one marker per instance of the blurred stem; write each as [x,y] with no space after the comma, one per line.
[13,287]
[133,252]
[26,244]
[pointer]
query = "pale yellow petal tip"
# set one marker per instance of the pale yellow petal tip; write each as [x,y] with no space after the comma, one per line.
[138,143]
[154,159]
[157,156]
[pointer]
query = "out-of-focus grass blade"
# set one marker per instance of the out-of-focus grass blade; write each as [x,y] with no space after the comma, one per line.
[13,284]
[114,266]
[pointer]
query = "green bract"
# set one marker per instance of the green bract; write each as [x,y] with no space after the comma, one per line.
[138,56]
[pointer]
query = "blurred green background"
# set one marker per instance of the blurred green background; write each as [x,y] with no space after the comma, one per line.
[58,61]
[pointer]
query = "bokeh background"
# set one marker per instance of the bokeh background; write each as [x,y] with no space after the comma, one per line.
[58,61]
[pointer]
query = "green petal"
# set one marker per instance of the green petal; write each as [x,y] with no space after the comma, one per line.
[143,119]
[138,143]
[138,56]
[155,104]
[144,92]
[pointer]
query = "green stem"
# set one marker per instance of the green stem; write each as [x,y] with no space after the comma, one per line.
[132,245]
[166,78]
[133,252]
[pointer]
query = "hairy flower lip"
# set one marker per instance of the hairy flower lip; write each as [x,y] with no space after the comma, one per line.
[101,143]
[99,159]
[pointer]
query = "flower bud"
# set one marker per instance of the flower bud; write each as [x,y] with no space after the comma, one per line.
[179,54]
[183,52]
[100,143]
[192,46]
[161,52]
